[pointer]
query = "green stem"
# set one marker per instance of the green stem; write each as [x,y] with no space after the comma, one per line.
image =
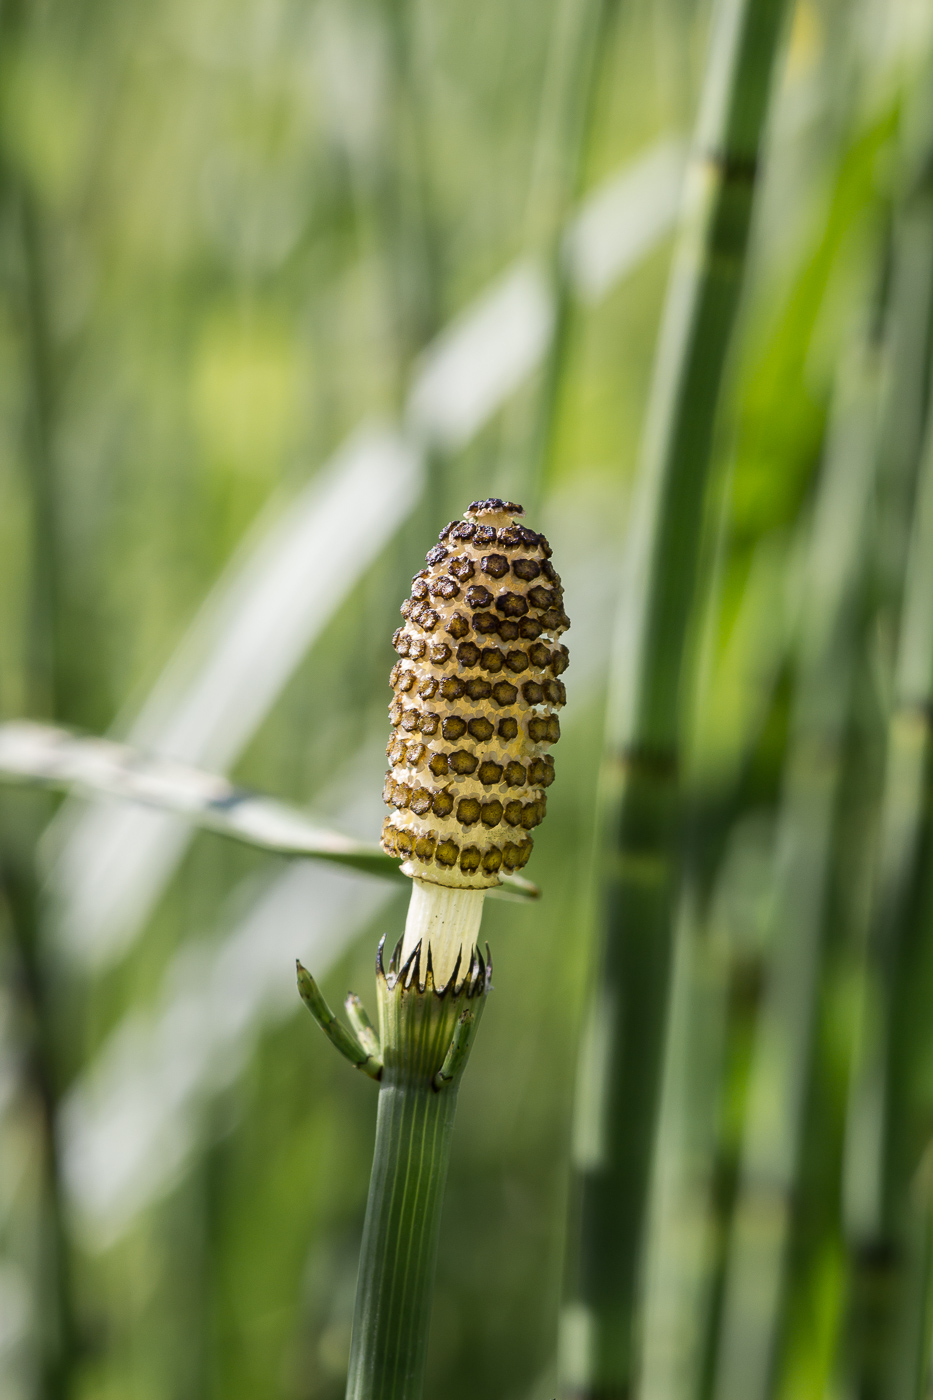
[56,1323]
[892,1103]
[425,1037]
[622,1077]
[400,1238]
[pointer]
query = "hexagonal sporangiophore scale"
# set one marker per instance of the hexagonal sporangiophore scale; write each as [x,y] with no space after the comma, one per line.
[476,689]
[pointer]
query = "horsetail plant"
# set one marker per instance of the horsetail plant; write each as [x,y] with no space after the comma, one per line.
[474,714]
[617,1109]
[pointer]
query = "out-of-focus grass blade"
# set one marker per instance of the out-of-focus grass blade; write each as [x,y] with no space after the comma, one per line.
[255,626]
[111,864]
[132,1120]
[472,368]
[625,219]
[41,753]
[489,350]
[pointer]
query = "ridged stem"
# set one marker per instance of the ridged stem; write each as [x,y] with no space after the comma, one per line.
[426,1025]
[618,1110]
[400,1238]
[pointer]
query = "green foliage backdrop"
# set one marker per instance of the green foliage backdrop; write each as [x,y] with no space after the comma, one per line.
[230,232]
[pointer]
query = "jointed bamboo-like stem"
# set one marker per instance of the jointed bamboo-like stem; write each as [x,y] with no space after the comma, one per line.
[617,1124]
[810,849]
[890,1107]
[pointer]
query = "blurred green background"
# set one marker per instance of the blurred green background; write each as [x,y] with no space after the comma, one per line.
[233,235]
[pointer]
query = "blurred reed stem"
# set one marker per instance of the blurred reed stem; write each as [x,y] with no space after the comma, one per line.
[409,219]
[54,1320]
[891,1106]
[576,64]
[617,1111]
[812,854]
[45,686]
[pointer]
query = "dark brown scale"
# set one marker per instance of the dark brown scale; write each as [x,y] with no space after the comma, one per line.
[472,761]
[511,605]
[461,567]
[478,597]
[504,693]
[495,565]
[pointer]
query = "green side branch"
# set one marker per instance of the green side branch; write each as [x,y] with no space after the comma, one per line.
[618,1110]
[367,1058]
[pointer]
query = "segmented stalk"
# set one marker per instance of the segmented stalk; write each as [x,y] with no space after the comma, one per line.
[417,1103]
[618,1108]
